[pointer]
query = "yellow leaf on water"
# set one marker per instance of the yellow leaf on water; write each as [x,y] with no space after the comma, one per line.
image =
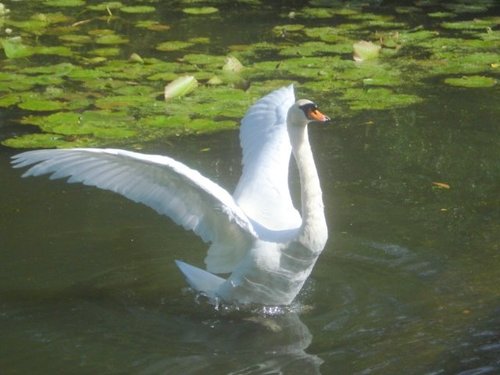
[441,185]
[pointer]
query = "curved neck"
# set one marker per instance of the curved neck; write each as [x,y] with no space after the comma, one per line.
[314,231]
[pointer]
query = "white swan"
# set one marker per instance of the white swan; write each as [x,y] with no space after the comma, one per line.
[256,235]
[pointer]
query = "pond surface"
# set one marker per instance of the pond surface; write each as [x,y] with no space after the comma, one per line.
[409,281]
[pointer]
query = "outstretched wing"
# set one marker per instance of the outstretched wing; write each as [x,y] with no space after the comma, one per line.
[263,191]
[166,185]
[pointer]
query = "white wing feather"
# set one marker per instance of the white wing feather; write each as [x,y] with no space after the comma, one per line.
[263,191]
[168,186]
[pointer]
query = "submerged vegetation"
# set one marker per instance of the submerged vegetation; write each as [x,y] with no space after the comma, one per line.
[87,73]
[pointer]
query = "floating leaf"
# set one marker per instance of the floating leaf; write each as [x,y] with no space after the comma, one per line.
[441,185]
[164,76]
[8,100]
[111,39]
[106,5]
[106,52]
[101,32]
[53,50]
[162,121]
[173,45]
[467,8]
[204,60]
[441,14]
[38,140]
[75,38]
[314,48]
[317,12]
[79,73]
[151,25]
[102,123]
[475,24]
[471,81]
[64,3]
[14,48]
[326,34]
[136,90]
[138,9]
[200,10]
[122,101]
[39,104]
[180,87]
[283,30]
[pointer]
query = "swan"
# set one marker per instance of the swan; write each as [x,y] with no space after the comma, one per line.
[258,239]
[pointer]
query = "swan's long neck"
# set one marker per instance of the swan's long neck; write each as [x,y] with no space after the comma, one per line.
[314,232]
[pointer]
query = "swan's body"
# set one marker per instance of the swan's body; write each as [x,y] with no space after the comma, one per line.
[256,235]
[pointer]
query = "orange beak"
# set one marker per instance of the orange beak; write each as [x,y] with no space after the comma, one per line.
[317,115]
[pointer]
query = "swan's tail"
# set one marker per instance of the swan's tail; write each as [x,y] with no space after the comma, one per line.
[200,280]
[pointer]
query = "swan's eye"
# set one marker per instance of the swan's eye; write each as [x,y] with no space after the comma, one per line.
[308,109]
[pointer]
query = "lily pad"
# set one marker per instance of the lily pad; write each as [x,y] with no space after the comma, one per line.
[178,121]
[138,9]
[106,5]
[105,124]
[317,12]
[32,26]
[467,8]
[14,48]
[327,34]
[151,25]
[315,48]
[106,52]
[9,100]
[205,61]
[471,81]
[136,90]
[80,73]
[173,45]
[111,39]
[200,10]
[441,14]
[64,3]
[283,30]
[39,140]
[41,105]
[76,38]
[460,63]
[475,24]
[122,101]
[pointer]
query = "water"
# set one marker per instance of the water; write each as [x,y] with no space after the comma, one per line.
[408,283]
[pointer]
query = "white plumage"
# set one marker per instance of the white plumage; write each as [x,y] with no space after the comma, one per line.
[256,235]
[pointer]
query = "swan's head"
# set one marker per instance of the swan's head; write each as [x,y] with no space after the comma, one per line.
[304,111]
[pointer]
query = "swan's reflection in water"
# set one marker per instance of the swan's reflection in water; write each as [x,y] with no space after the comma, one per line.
[241,343]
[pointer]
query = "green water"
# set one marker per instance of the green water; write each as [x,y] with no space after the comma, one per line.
[409,282]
